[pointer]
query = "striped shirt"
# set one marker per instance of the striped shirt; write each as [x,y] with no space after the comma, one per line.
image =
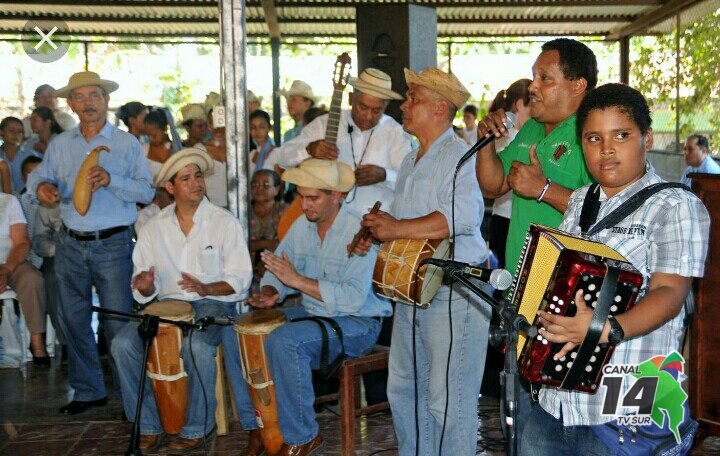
[667,234]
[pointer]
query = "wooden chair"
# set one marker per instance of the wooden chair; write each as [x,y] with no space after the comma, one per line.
[349,399]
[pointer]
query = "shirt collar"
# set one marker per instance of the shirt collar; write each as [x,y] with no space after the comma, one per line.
[447,137]
[106,131]
[648,179]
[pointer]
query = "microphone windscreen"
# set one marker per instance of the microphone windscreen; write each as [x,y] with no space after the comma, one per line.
[500,279]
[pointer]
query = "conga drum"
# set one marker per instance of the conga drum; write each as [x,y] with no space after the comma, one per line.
[397,276]
[252,330]
[165,367]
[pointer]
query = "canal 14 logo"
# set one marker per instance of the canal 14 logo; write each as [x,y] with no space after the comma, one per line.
[655,395]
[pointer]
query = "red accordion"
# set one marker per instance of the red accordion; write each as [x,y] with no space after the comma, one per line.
[553,266]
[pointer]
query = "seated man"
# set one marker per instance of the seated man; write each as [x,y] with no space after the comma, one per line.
[312,259]
[698,158]
[191,251]
[16,272]
[666,239]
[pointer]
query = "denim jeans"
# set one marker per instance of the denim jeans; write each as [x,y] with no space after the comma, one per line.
[293,351]
[545,435]
[200,367]
[470,324]
[79,265]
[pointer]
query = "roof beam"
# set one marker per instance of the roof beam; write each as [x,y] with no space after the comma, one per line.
[271,18]
[465,4]
[121,3]
[644,22]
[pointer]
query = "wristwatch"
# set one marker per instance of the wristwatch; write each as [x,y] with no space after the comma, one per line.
[616,334]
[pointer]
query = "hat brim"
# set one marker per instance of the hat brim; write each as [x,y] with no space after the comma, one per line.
[303,178]
[107,85]
[383,94]
[182,158]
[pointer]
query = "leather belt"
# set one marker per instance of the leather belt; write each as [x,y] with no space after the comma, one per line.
[94,235]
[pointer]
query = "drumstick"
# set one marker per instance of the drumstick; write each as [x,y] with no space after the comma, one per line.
[364,232]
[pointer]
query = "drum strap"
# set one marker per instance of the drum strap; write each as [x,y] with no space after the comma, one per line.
[325,369]
[597,323]
[591,207]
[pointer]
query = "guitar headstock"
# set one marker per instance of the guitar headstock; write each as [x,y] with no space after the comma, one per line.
[341,73]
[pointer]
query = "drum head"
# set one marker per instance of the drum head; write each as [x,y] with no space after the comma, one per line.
[434,275]
[171,309]
[261,321]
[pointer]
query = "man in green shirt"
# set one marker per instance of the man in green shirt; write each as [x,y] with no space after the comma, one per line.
[544,163]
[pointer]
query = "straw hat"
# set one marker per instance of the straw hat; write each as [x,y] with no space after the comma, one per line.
[252,98]
[376,83]
[190,112]
[213,99]
[301,88]
[84,79]
[322,175]
[444,84]
[182,158]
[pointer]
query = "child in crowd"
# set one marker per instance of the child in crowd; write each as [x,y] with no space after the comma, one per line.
[12,153]
[260,157]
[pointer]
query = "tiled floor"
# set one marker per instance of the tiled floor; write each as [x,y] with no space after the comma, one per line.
[32,426]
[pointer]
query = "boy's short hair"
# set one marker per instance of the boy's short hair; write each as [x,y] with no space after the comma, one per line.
[620,96]
[29,161]
[472,109]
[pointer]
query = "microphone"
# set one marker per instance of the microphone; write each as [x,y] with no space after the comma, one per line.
[484,141]
[500,279]
[203,323]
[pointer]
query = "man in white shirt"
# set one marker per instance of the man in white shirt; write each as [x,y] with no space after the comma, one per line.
[372,143]
[191,251]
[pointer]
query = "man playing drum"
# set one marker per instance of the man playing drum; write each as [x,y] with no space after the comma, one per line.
[191,251]
[423,209]
[313,259]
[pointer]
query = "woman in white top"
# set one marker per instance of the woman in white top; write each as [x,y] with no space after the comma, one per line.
[515,99]
[160,146]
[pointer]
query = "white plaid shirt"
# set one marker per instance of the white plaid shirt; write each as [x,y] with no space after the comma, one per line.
[668,234]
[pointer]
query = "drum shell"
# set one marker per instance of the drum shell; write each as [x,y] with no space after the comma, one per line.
[164,361]
[397,277]
[252,330]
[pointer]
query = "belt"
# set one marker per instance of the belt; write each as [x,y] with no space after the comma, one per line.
[94,235]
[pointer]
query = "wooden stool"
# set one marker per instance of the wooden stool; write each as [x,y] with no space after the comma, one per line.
[349,375]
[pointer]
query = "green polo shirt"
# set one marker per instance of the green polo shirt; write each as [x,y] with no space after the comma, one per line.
[561,158]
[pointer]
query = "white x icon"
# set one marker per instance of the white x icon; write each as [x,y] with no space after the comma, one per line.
[45,38]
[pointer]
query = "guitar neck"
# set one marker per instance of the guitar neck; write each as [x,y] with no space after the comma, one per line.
[331,131]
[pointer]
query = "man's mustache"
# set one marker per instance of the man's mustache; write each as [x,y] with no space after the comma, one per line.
[90,110]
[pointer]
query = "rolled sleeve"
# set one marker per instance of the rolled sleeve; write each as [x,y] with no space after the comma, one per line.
[236,261]
[142,261]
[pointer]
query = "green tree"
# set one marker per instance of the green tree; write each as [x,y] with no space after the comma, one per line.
[653,73]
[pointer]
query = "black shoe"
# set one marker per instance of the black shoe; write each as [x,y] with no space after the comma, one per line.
[75,407]
[41,361]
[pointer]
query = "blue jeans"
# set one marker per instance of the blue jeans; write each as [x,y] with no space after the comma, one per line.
[470,324]
[293,352]
[545,435]
[79,265]
[200,367]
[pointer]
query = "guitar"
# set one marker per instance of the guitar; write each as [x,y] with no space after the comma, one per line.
[340,80]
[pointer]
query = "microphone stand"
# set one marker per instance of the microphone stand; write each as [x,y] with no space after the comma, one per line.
[147,330]
[512,323]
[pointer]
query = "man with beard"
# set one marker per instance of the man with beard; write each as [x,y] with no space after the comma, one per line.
[95,248]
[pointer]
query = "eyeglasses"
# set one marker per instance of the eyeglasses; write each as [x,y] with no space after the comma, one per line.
[94,96]
[263,185]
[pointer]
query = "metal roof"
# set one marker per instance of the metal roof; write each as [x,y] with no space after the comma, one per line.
[336,18]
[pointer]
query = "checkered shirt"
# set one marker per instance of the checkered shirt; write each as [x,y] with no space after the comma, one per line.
[668,234]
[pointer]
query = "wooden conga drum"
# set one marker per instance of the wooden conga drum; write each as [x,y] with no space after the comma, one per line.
[396,275]
[165,367]
[252,330]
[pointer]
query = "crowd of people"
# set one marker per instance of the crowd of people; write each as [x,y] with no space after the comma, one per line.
[157,230]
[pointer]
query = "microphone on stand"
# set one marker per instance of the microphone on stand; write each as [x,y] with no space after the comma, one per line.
[500,279]
[203,323]
[484,141]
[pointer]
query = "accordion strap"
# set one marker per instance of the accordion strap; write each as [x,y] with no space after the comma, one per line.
[600,315]
[591,206]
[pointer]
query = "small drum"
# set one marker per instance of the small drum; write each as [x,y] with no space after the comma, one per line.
[165,367]
[397,276]
[252,329]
